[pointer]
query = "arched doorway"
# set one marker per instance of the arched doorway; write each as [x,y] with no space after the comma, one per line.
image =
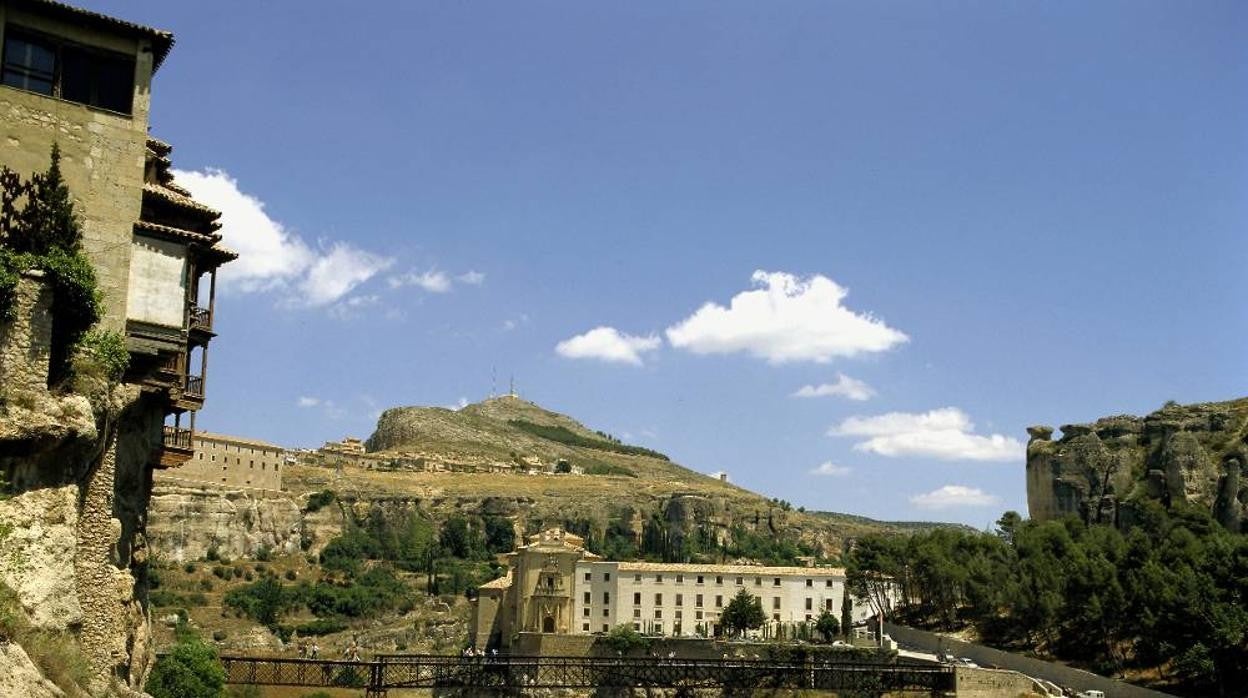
[548,624]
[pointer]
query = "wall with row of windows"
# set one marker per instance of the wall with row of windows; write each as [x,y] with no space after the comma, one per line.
[220,460]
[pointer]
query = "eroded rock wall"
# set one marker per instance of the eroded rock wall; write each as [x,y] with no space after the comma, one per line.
[1195,454]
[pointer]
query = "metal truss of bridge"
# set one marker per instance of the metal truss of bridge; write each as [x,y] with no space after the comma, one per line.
[516,673]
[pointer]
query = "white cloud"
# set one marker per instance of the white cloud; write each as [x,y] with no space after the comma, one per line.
[846,387]
[353,306]
[785,318]
[607,344]
[512,323]
[436,281]
[945,434]
[338,272]
[270,255]
[305,401]
[954,496]
[459,405]
[831,469]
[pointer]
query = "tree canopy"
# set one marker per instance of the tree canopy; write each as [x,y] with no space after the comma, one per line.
[744,612]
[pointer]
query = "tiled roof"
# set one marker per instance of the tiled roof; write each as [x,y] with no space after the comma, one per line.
[171,231]
[226,438]
[161,40]
[683,568]
[225,254]
[503,582]
[177,199]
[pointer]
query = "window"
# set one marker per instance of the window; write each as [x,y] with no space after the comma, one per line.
[775,603]
[605,627]
[809,602]
[810,583]
[658,599]
[586,612]
[719,602]
[637,626]
[637,598]
[828,584]
[586,597]
[201,456]
[775,582]
[637,578]
[658,613]
[585,627]
[658,578]
[29,62]
[589,577]
[697,615]
[636,612]
[827,604]
[740,581]
[807,617]
[699,579]
[758,581]
[606,613]
[680,599]
[606,597]
[680,579]
[719,579]
[676,628]
[606,576]
[775,616]
[679,615]
[214,458]
[697,601]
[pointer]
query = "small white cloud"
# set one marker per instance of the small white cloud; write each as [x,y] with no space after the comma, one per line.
[608,344]
[337,273]
[432,281]
[719,475]
[512,323]
[351,307]
[271,257]
[954,496]
[785,318]
[850,388]
[945,434]
[831,469]
[472,278]
[308,401]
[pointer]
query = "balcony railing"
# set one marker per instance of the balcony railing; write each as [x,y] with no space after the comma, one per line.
[194,386]
[201,318]
[171,364]
[176,438]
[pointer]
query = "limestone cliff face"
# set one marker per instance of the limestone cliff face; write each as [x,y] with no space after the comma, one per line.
[186,522]
[1195,454]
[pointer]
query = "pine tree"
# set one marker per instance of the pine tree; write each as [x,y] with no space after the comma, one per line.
[48,221]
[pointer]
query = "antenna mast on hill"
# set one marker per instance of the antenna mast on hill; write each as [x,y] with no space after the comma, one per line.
[493,381]
[512,391]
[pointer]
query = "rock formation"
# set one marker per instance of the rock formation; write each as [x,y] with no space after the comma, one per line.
[1190,454]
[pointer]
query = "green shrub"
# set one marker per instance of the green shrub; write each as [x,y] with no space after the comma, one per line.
[566,436]
[319,500]
[608,469]
[191,670]
[105,350]
[320,626]
[189,568]
[291,575]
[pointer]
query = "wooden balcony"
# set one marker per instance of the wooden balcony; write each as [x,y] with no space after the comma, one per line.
[175,447]
[194,387]
[200,319]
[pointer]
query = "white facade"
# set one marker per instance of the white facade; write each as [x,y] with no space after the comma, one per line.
[686,599]
[157,282]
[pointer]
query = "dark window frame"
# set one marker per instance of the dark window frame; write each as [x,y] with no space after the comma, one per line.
[97,58]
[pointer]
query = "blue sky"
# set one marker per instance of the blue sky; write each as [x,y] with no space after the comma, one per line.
[984,215]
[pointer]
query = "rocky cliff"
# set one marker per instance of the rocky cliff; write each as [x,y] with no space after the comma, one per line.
[1193,454]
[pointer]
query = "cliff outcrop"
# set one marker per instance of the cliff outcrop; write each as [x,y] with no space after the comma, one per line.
[1191,454]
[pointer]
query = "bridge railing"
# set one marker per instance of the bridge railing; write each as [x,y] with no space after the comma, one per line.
[509,671]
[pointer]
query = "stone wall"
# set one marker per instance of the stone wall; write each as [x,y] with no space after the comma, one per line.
[26,342]
[993,683]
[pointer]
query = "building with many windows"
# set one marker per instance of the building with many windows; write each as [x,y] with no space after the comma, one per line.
[555,585]
[230,461]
